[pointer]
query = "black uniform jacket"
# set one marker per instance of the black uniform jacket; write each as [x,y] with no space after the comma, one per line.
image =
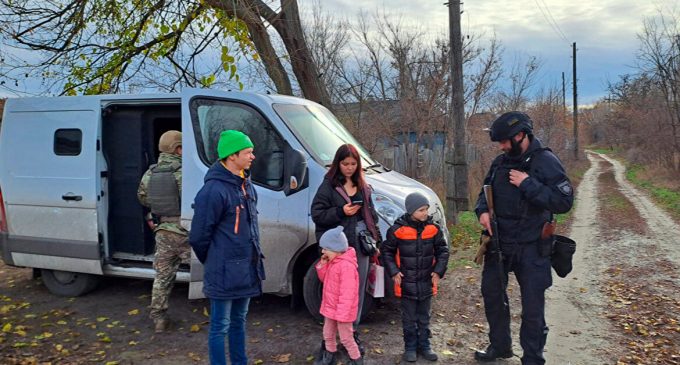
[522,211]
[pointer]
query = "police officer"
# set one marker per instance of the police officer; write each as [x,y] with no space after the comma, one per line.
[529,186]
[160,191]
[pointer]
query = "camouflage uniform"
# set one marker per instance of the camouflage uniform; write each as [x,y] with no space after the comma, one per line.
[172,245]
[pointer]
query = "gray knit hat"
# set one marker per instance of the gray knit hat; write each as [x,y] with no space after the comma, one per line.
[414,201]
[334,240]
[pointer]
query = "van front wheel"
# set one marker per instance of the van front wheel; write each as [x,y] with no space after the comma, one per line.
[68,284]
[312,291]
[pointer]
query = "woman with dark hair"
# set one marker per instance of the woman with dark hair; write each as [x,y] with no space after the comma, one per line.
[344,198]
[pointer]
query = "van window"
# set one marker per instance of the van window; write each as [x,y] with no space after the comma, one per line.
[68,142]
[319,131]
[210,117]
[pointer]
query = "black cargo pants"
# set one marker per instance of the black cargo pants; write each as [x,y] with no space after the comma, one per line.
[534,277]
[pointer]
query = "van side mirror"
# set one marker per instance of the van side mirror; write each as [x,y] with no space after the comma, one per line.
[294,171]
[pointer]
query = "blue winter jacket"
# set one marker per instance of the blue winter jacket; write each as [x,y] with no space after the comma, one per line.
[224,236]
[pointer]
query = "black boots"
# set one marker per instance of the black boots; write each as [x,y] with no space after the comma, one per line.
[428,354]
[362,350]
[326,358]
[410,356]
[359,361]
[491,354]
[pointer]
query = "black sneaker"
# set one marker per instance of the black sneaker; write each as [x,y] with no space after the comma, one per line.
[410,356]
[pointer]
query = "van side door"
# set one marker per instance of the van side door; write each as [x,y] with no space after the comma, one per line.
[283,213]
[50,182]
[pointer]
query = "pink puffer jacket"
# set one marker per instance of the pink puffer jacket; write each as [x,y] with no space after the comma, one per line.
[340,278]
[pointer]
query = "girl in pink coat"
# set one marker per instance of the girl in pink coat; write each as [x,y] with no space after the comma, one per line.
[338,272]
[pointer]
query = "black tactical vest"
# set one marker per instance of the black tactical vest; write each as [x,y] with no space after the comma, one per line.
[164,194]
[507,197]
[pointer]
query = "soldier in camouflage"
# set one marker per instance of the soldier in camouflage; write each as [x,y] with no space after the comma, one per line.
[160,191]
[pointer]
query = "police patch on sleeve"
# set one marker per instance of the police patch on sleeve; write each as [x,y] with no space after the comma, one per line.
[565,188]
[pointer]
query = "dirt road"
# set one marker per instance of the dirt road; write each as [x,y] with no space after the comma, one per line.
[620,304]
[582,309]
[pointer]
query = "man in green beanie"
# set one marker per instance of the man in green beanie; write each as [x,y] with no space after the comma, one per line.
[160,190]
[225,237]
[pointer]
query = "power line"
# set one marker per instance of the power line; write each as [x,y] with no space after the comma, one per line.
[553,24]
[553,20]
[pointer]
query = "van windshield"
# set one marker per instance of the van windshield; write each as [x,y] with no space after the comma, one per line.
[319,130]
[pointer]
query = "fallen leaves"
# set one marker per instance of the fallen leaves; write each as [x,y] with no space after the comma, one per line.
[647,319]
[282,358]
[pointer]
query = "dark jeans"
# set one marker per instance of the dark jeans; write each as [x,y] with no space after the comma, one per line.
[534,277]
[363,262]
[228,317]
[415,318]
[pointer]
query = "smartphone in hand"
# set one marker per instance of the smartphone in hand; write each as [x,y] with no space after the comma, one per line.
[357,202]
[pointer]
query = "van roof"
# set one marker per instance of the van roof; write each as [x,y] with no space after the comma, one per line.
[47,102]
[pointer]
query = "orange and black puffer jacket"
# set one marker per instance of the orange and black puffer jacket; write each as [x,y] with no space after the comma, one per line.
[416,249]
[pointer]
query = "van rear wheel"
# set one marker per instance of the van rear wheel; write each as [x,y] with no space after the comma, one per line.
[312,290]
[67,283]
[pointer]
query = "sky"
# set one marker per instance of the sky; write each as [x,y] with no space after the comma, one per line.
[605,32]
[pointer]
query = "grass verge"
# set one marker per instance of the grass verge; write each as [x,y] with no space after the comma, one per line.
[667,198]
[464,240]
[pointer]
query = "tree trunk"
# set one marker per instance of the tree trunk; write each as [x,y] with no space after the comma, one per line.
[287,25]
[290,30]
[263,44]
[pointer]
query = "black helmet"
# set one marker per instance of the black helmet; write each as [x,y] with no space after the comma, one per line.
[509,124]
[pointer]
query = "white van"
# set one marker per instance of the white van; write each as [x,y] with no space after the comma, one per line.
[70,167]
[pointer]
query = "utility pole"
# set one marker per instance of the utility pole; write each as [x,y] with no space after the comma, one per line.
[564,97]
[456,161]
[575,103]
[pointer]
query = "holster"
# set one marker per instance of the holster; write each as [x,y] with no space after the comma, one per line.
[546,243]
[484,241]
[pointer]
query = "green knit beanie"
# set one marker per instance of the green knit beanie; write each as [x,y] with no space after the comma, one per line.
[232,141]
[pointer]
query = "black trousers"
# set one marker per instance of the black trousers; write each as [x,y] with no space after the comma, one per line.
[534,277]
[415,318]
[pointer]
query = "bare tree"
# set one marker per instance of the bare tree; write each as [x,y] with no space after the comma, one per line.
[659,58]
[481,78]
[522,79]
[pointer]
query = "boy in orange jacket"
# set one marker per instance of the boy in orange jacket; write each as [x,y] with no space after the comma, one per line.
[415,255]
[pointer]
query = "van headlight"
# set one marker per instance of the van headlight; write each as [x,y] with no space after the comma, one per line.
[438,216]
[387,209]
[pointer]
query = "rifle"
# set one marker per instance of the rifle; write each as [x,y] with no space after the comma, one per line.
[495,243]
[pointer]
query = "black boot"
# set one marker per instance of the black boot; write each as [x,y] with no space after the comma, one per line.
[362,350]
[410,356]
[428,354]
[322,348]
[359,361]
[327,358]
[491,354]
